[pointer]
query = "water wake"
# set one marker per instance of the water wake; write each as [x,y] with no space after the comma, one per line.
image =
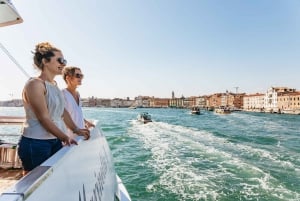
[197,165]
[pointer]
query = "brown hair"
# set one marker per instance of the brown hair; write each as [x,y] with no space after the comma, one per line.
[45,51]
[69,70]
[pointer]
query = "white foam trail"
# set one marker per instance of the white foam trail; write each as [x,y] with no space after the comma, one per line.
[260,122]
[180,173]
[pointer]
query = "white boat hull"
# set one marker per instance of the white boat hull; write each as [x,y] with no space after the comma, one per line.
[82,172]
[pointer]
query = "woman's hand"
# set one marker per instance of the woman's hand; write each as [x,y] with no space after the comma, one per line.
[68,141]
[89,124]
[83,132]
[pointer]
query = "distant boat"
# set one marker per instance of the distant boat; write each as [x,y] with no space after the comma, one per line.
[222,110]
[210,108]
[132,107]
[195,110]
[144,117]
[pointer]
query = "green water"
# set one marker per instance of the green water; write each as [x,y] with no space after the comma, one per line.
[240,156]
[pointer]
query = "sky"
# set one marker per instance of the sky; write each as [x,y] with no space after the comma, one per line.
[127,48]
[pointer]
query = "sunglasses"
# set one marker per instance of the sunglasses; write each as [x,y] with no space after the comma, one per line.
[78,75]
[62,61]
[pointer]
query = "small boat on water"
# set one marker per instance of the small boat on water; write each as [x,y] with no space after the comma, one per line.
[222,110]
[144,117]
[195,110]
[210,109]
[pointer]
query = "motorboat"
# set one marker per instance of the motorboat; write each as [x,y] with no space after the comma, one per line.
[223,110]
[78,172]
[195,110]
[144,117]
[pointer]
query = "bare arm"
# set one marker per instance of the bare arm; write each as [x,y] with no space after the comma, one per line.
[34,93]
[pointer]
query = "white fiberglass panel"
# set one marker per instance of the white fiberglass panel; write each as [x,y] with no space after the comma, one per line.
[85,172]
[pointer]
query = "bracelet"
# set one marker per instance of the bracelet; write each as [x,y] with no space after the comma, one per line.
[76,130]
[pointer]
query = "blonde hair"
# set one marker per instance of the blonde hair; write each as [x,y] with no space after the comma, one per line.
[69,70]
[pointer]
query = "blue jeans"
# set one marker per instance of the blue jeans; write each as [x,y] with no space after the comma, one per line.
[34,152]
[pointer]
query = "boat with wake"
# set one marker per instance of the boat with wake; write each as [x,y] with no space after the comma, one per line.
[144,117]
[195,110]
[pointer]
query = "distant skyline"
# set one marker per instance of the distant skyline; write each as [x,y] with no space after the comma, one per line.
[129,48]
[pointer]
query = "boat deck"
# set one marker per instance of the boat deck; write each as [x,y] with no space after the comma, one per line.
[8,178]
[10,164]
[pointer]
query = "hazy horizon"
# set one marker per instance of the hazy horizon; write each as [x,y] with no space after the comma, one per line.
[131,48]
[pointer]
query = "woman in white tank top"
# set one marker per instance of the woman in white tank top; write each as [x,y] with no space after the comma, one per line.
[73,78]
[46,119]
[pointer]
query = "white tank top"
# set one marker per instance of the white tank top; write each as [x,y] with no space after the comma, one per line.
[55,104]
[75,111]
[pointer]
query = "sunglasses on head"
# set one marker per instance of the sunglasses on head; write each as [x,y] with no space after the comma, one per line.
[62,61]
[78,75]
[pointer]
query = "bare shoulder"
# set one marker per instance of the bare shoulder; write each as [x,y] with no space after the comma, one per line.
[34,88]
[34,84]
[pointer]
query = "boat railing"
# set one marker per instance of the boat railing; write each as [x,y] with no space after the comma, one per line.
[38,176]
[8,151]
[82,172]
[9,156]
[15,120]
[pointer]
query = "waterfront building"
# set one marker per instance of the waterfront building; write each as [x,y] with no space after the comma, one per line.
[159,102]
[142,101]
[103,102]
[254,102]
[127,102]
[92,101]
[177,102]
[221,99]
[238,100]
[227,100]
[214,100]
[275,100]
[118,102]
[289,102]
[201,101]
[189,102]
[271,98]
[85,102]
